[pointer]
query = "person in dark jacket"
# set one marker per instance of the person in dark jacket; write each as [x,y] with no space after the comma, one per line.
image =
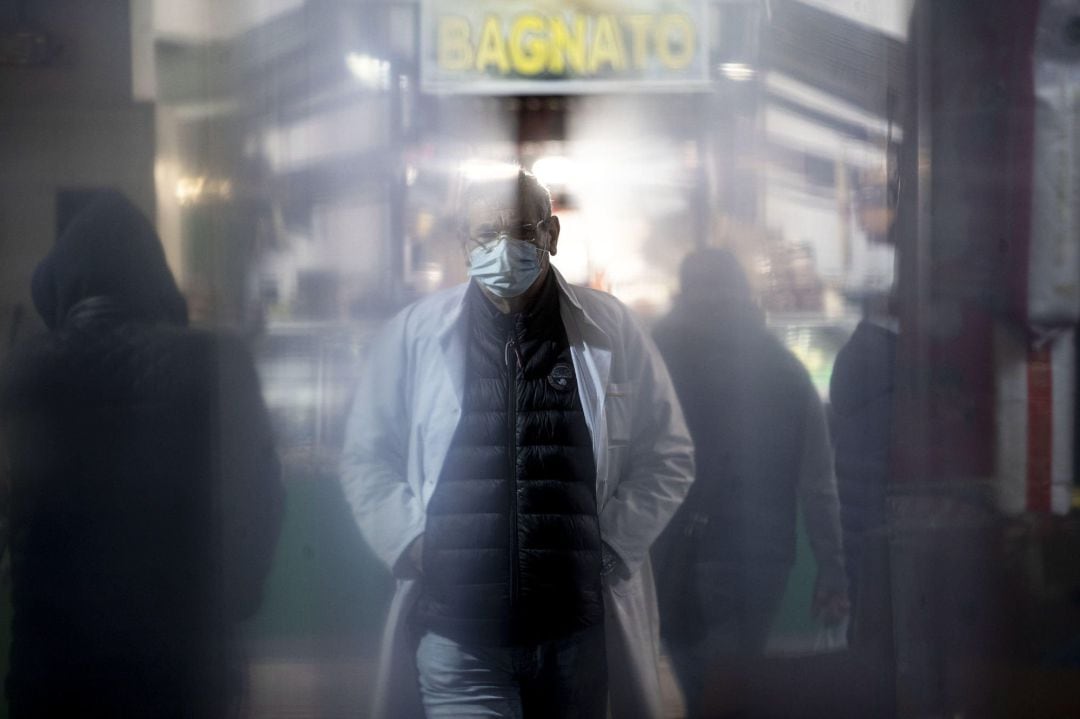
[861,393]
[145,489]
[762,450]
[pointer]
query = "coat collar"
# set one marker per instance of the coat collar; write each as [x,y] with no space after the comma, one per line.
[593,333]
[452,318]
[451,334]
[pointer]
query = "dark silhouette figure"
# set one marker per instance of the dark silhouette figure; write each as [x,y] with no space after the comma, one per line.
[145,491]
[762,451]
[862,392]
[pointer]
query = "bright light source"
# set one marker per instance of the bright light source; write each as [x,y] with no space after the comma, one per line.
[370,71]
[737,71]
[553,170]
[193,190]
[477,170]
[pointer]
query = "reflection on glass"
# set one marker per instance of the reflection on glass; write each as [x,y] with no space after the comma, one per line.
[897,179]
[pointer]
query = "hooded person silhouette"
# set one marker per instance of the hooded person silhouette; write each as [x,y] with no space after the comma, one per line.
[145,490]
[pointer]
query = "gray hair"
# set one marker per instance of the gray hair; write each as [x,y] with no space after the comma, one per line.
[525,188]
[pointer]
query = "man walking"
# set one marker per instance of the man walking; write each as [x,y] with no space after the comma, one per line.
[514,449]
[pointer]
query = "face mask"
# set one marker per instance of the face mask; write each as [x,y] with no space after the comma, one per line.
[506,267]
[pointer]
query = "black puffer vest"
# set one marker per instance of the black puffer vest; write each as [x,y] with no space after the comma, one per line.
[512,543]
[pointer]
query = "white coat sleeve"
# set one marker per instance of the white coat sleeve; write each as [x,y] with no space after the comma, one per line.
[660,467]
[374,461]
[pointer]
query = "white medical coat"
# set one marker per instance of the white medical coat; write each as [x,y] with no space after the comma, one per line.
[406,410]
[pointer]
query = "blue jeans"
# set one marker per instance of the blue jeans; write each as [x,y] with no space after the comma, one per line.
[564,678]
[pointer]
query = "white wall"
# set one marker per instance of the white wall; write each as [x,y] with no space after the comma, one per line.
[214,19]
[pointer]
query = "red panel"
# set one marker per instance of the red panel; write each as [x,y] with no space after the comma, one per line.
[1040,441]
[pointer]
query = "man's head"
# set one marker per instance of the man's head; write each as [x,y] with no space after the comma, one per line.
[714,275]
[509,234]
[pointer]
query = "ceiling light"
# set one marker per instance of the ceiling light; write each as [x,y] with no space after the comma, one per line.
[737,71]
[370,71]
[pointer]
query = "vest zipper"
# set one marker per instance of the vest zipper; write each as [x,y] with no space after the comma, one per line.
[511,444]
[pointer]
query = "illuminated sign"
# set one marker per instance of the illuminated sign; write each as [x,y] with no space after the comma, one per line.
[562,46]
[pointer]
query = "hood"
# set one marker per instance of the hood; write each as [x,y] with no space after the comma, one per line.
[718,315]
[109,250]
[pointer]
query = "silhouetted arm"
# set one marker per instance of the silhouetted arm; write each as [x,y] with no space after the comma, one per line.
[252,495]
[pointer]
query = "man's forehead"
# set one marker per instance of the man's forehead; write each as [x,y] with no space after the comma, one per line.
[496,209]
